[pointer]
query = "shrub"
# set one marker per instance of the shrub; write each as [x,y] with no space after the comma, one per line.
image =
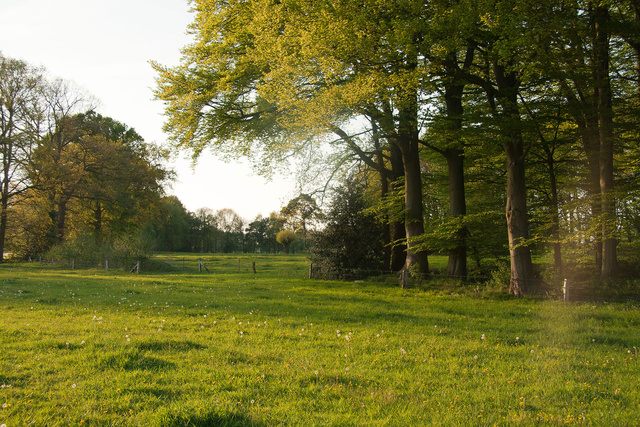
[351,244]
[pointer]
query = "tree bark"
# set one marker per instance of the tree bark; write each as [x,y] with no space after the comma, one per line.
[4,207]
[98,221]
[517,222]
[408,143]
[605,122]
[414,224]
[4,201]
[384,192]
[555,217]
[398,231]
[522,281]
[591,144]
[457,263]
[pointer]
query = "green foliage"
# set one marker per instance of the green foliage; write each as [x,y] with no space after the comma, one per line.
[85,249]
[286,238]
[350,244]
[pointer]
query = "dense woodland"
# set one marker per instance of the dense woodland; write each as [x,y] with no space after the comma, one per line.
[484,130]
[485,127]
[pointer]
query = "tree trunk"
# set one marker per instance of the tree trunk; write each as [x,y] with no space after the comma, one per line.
[414,222]
[98,221]
[457,264]
[61,217]
[4,203]
[591,144]
[398,231]
[522,281]
[517,222]
[605,121]
[554,205]
[384,193]
[4,207]
[555,219]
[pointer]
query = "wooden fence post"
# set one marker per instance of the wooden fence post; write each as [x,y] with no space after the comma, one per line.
[565,290]
[136,268]
[253,265]
[201,266]
[106,265]
[311,271]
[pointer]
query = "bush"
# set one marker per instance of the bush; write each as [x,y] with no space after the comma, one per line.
[85,249]
[351,244]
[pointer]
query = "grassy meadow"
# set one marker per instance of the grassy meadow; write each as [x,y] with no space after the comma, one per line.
[233,348]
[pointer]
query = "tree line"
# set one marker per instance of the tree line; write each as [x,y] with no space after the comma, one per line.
[78,185]
[224,231]
[460,109]
[68,173]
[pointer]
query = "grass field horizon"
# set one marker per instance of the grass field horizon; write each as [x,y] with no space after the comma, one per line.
[234,348]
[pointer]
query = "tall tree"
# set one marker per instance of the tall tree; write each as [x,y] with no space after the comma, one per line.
[300,213]
[299,85]
[21,89]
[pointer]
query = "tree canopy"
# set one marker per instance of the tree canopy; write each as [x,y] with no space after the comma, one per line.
[543,93]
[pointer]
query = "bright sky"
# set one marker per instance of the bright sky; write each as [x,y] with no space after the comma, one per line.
[104,46]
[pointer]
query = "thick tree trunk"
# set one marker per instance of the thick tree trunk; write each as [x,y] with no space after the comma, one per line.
[414,222]
[457,264]
[398,231]
[522,280]
[605,121]
[591,144]
[517,222]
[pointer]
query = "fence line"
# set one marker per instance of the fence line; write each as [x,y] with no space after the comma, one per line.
[566,289]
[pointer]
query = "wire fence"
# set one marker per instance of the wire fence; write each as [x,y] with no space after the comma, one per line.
[573,290]
[187,265]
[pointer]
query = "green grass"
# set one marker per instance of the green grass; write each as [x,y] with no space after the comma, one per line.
[182,348]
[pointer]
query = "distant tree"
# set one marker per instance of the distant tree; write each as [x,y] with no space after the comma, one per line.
[300,213]
[96,172]
[231,226]
[20,102]
[286,238]
[207,230]
[172,227]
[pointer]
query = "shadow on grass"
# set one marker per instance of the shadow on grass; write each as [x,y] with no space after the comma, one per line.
[132,360]
[210,419]
[170,346]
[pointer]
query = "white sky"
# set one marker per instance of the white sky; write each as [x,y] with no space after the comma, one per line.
[104,46]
